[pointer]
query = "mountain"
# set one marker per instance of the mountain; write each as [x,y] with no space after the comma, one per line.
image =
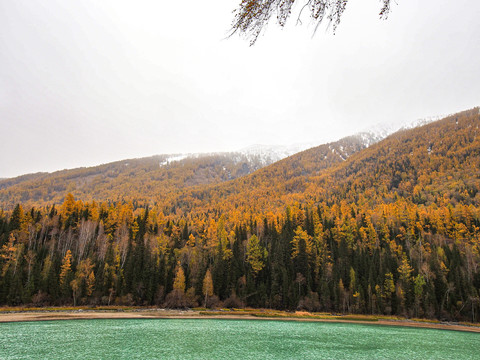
[433,164]
[391,229]
[147,177]
[422,164]
[153,178]
[128,179]
[268,188]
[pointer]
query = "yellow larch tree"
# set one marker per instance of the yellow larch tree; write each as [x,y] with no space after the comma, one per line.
[207,286]
[179,282]
[66,273]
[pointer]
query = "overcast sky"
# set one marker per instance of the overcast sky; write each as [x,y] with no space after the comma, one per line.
[84,82]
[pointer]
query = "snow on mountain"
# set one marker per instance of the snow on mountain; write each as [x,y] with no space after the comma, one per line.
[272,153]
[268,154]
[371,135]
[382,130]
[173,158]
[262,154]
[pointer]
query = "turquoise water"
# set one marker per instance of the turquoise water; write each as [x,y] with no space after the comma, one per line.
[228,339]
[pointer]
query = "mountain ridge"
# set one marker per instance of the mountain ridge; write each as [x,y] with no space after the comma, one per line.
[165,173]
[318,173]
[389,229]
[255,157]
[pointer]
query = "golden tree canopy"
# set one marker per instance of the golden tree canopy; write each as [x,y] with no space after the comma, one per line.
[179,282]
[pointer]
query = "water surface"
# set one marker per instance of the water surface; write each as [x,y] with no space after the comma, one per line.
[228,339]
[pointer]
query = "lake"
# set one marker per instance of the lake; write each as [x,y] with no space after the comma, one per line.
[228,339]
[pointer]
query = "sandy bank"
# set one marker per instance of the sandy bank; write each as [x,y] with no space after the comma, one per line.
[20,316]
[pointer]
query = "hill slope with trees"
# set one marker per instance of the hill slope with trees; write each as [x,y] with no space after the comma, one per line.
[140,179]
[390,229]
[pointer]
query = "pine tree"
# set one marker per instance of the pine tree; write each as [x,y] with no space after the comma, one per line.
[256,255]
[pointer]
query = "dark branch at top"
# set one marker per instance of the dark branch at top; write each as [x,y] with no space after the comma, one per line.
[253,15]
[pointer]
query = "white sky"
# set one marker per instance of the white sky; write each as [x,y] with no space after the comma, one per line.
[88,82]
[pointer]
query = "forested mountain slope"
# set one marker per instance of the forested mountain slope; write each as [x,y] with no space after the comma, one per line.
[390,229]
[144,179]
[161,179]
[273,186]
[435,163]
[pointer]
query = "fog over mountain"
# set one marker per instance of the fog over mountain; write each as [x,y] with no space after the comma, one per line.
[85,83]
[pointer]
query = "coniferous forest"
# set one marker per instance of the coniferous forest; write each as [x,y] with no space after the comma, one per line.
[392,229]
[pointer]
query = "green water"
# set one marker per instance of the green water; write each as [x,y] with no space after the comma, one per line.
[228,339]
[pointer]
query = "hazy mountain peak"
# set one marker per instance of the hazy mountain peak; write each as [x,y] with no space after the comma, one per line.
[382,130]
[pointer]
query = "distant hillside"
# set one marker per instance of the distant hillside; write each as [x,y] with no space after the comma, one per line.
[156,179]
[128,179]
[430,164]
[437,163]
[271,187]
[422,164]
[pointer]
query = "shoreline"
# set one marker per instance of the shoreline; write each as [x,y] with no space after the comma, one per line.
[82,314]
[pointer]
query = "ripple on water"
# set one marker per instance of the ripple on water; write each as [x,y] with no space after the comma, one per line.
[228,339]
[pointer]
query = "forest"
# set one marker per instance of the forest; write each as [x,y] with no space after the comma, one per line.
[394,229]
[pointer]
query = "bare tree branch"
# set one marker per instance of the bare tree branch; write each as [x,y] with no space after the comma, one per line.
[252,16]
